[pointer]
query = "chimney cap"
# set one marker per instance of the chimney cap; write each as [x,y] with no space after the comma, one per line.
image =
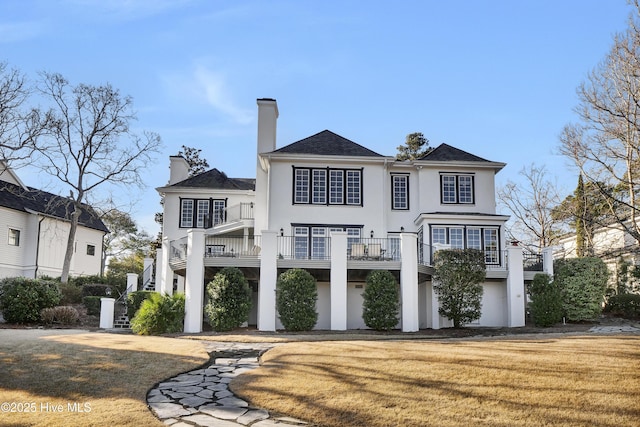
[266,99]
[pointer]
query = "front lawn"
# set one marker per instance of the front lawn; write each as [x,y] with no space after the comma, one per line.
[64,378]
[546,380]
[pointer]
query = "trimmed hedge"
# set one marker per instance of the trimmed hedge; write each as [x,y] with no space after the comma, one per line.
[22,299]
[624,305]
[97,290]
[160,314]
[583,283]
[71,293]
[381,301]
[296,296]
[135,300]
[93,304]
[546,301]
[229,300]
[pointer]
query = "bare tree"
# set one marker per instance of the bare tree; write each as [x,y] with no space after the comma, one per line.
[87,143]
[605,144]
[531,204]
[19,126]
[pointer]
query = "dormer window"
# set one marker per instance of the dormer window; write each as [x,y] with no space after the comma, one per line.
[457,189]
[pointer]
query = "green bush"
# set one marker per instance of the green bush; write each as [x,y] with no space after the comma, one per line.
[546,301]
[22,299]
[93,305]
[624,305]
[135,300]
[160,314]
[229,300]
[583,283]
[457,276]
[62,314]
[71,293]
[381,301]
[296,296]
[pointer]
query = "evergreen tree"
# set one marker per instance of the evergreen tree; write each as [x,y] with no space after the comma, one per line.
[415,146]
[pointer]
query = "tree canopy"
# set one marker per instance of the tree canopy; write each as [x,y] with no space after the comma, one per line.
[415,146]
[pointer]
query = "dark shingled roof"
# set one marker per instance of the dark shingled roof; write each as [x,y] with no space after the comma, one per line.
[327,143]
[15,197]
[447,153]
[218,180]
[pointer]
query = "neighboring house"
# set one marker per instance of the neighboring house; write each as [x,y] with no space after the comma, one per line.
[339,210]
[34,230]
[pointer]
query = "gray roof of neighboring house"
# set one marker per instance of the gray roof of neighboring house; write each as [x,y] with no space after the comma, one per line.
[327,143]
[15,197]
[218,180]
[447,153]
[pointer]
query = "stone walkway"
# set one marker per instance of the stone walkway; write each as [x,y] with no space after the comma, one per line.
[614,329]
[202,397]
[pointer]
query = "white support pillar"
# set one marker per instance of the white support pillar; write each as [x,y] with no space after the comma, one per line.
[107,306]
[132,282]
[159,252]
[339,281]
[194,283]
[409,282]
[435,306]
[166,284]
[547,261]
[267,285]
[515,288]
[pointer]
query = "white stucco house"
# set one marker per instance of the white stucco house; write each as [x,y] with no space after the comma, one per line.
[34,230]
[339,210]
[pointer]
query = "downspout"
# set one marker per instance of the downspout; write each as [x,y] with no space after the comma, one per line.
[35,273]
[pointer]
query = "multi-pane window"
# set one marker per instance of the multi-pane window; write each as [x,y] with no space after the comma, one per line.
[400,184]
[301,187]
[197,213]
[354,187]
[186,213]
[91,250]
[319,186]
[327,186]
[14,237]
[301,242]
[312,242]
[336,187]
[318,242]
[461,237]
[457,189]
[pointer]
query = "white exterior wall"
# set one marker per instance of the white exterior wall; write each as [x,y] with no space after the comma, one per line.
[12,257]
[494,303]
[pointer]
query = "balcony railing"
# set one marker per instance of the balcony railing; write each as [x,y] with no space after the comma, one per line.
[238,212]
[304,247]
[383,249]
[532,261]
[494,259]
[232,247]
[178,249]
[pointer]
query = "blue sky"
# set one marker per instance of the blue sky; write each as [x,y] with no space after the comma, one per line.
[495,78]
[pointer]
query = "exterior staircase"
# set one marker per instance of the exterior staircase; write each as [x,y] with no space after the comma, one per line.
[122,322]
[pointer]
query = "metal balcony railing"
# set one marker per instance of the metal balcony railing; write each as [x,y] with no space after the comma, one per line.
[232,247]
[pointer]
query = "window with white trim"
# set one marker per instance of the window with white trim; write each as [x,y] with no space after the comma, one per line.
[197,213]
[400,186]
[457,189]
[327,186]
[312,241]
[485,239]
[186,213]
[202,209]
[14,237]
[456,237]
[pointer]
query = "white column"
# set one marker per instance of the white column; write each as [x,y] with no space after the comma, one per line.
[159,252]
[435,306]
[106,312]
[339,281]
[268,278]
[194,283]
[166,283]
[132,282]
[515,288]
[409,282]
[547,261]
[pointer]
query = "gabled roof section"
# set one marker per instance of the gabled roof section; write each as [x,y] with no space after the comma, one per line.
[32,200]
[447,153]
[327,143]
[217,180]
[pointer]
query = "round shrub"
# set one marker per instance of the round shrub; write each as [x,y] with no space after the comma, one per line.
[22,299]
[624,305]
[381,300]
[63,314]
[229,300]
[546,301]
[160,314]
[135,300]
[583,283]
[296,296]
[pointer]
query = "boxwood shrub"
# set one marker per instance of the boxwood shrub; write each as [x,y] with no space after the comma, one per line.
[22,299]
[296,296]
[381,301]
[624,305]
[546,301]
[93,304]
[229,300]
